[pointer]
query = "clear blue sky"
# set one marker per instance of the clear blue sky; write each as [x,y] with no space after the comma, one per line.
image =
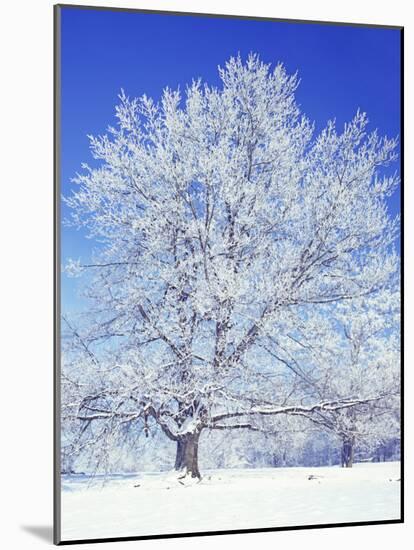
[341,68]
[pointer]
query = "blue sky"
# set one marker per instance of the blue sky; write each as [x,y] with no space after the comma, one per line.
[341,68]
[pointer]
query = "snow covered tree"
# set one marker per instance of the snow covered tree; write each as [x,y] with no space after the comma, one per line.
[224,228]
[360,358]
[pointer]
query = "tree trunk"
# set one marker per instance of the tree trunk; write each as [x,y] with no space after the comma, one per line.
[186,459]
[347,454]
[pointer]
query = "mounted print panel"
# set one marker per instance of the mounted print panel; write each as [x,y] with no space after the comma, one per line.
[228,274]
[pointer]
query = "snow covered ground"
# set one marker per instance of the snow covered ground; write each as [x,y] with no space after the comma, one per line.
[148,504]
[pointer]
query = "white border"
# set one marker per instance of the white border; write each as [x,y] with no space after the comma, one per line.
[26,230]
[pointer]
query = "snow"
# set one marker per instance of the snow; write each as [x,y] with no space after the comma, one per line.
[156,503]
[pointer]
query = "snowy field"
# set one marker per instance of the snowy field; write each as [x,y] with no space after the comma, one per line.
[148,504]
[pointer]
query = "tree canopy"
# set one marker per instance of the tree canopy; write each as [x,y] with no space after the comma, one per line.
[238,255]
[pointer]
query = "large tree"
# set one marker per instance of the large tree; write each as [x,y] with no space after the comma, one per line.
[223,226]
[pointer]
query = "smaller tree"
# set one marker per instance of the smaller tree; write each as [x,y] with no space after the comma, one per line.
[362,358]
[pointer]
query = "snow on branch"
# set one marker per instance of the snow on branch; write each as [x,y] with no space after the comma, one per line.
[327,406]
